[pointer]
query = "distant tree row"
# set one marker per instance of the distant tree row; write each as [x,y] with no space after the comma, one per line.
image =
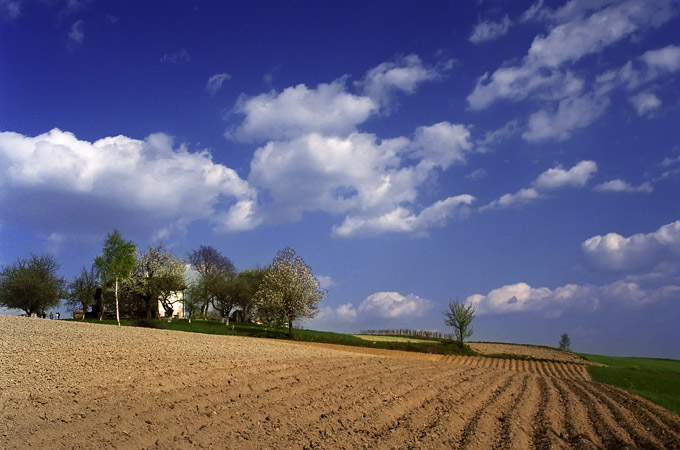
[280,294]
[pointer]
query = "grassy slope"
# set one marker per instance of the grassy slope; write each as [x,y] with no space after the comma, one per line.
[657,380]
[261,331]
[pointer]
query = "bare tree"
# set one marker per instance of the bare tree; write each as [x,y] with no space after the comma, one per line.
[210,265]
[82,290]
[460,317]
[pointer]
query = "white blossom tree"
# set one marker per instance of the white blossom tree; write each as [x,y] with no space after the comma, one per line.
[156,277]
[289,290]
[116,262]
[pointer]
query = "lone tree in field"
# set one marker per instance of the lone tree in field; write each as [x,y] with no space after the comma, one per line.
[289,289]
[31,284]
[565,342]
[82,290]
[116,262]
[460,317]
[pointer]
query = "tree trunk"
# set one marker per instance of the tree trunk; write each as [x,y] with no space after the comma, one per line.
[290,328]
[116,295]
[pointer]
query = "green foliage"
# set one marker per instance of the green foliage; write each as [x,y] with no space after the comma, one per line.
[116,262]
[82,290]
[460,317]
[565,342]
[31,284]
[289,291]
[657,380]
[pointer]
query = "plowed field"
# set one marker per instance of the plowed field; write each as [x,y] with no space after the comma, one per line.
[71,385]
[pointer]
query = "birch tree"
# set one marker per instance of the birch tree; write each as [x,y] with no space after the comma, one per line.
[117,260]
[289,290]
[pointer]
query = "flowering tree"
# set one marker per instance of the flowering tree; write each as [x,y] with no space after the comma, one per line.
[289,290]
[157,276]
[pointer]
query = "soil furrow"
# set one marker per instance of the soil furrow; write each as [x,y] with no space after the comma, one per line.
[578,426]
[605,426]
[503,441]
[471,427]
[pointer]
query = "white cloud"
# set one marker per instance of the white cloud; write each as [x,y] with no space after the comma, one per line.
[76,34]
[550,180]
[63,178]
[665,59]
[576,30]
[298,110]
[361,177]
[488,31]
[552,303]
[404,75]
[522,197]
[639,252]
[325,281]
[558,178]
[181,56]
[391,305]
[344,313]
[494,137]
[403,220]
[442,144]
[572,113]
[618,185]
[645,103]
[215,82]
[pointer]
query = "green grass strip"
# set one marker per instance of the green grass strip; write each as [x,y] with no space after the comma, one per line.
[657,380]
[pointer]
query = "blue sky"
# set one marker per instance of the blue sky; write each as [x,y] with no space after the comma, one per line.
[521,156]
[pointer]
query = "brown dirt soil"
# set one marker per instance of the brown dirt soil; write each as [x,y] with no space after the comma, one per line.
[532,351]
[75,385]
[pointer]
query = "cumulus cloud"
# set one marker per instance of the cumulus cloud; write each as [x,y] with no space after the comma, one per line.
[442,144]
[552,303]
[488,31]
[637,253]
[550,180]
[298,110]
[343,313]
[215,82]
[360,176]
[181,56]
[63,177]
[392,305]
[618,185]
[404,75]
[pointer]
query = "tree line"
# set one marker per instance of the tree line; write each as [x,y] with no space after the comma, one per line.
[137,283]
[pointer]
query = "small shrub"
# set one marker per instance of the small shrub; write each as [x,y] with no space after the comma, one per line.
[144,323]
